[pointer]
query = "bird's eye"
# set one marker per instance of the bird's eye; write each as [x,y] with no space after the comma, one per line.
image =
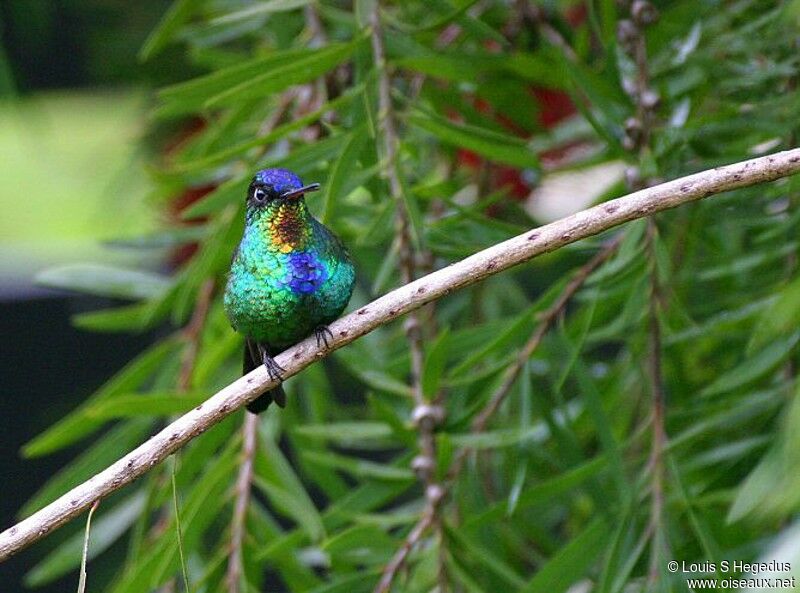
[259,195]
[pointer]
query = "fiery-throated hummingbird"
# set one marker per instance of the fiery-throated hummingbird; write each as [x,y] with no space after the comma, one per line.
[289,278]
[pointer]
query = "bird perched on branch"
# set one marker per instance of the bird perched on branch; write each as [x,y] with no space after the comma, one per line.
[289,278]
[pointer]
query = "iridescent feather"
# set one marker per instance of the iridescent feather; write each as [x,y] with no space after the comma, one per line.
[290,274]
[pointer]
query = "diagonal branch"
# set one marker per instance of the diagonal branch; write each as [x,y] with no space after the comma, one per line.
[407,298]
[396,563]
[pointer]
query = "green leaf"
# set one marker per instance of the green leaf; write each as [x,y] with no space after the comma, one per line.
[623,552]
[721,323]
[414,214]
[150,404]
[259,9]
[628,252]
[214,355]
[284,131]
[178,13]
[163,239]
[361,582]
[395,418]
[764,489]
[502,437]
[360,545]
[753,368]
[571,562]
[263,530]
[501,341]
[106,281]
[771,491]
[345,434]
[230,191]
[293,507]
[542,492]
[493,145]
[704,535]
[606,103]
[465,576]
[296,71]
[454,12]
[435,361]
[383,382]
[471,25]
[343,168]
[745,263]
[311,156]
[516,488]
[358,501]
[131,318]
[778,318]
[486,558]
[279,481]
[470,67]
[593,399]
[359,468]
[190,96]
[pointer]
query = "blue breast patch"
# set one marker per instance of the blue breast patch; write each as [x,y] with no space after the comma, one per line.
[305,273]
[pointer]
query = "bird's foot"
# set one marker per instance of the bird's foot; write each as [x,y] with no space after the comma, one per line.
[322,332]
[274,370]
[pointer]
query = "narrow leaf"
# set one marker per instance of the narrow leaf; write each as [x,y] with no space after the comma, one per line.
[754,368]
[174,19]
[435,361]
[493,145]
[343,168]
[106,281]
[262,8]
[297,71]
[571,562]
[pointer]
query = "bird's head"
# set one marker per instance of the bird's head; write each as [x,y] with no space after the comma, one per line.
[276,187]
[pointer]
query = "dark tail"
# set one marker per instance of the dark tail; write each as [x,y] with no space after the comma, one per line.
[277,394]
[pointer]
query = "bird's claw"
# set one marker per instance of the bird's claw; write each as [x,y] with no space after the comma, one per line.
[321,332]
[274,370]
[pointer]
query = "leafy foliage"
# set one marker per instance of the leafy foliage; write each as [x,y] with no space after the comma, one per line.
[558,487]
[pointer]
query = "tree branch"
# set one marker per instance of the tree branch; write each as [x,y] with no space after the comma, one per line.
[243,484]
[407,298]
[426,417]
[639,134]
[395,564]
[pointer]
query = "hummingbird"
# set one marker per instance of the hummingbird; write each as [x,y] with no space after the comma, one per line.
[290,276]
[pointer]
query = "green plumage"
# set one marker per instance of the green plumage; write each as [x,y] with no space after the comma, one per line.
[290,274]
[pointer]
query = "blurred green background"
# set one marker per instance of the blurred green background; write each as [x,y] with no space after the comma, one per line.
[73,100]
[72,176]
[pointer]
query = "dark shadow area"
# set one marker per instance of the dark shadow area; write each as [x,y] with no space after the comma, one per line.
[48,367]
